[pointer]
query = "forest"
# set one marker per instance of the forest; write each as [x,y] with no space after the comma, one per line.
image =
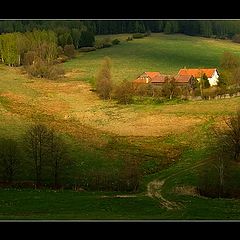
[206,28]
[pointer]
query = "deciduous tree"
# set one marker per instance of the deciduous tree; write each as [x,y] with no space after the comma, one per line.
[104,79]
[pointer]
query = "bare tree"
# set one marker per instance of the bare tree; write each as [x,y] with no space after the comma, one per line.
[9,158]
[58,156]
[104,79]
[37,140]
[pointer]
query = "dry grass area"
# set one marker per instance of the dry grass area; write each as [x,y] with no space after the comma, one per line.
[186,190]
[71,106]
[74,100]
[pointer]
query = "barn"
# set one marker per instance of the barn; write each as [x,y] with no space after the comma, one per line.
[211,73]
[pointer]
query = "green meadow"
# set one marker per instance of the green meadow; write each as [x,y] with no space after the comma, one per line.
[158,52]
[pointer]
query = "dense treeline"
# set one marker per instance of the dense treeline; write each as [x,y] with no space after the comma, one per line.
[72,28]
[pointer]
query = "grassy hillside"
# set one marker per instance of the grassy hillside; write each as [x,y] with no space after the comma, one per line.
[169,140]
[159,52]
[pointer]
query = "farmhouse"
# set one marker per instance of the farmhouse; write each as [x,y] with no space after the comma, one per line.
[158,79]
[211,73]
[180,80]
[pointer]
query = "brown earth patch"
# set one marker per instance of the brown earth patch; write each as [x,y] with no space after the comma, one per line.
[186,190]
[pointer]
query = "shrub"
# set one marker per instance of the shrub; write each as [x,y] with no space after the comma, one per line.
[103,43]
[211,92]
[124,92]
[147,33]
[60,59]
[107,42]
[129,39]
[138,35]
[98,44]
[115,41]
[69,50]
[55,71]
[60,51]
[42,69]
[236,38]
[144,90]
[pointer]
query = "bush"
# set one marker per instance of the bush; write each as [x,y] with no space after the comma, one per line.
[60,51]
[147,33]
[55,71]
[124,92]
[144,90]
[107,42]
[138,35]
[42,69]
[69,50]
[87,49]
[129,39]
[103,43]
[115,41]
[211,92]
[60,59]
[236,38]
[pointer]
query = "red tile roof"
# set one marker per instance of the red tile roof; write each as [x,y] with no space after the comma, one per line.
[183,78]
[143,76]
[152,74]
[160,78]
[197,72]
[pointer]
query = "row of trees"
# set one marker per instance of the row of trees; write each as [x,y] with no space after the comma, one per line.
[70,29]
[43,147]
[15,46]
[42,155]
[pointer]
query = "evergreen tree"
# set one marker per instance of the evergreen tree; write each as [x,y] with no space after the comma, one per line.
[87,39]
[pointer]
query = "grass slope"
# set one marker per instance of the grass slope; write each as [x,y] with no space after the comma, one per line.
[159,52]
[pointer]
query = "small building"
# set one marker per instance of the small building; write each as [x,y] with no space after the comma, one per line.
[211,73]
[160,79]
[157,79]
[185,80]
[146,77]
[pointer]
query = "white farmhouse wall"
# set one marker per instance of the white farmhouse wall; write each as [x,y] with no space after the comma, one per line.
[214,79]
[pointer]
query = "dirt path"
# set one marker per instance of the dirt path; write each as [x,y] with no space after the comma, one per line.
[154,189]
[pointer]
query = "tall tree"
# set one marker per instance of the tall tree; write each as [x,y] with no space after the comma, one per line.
[104,79]
[37,140]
